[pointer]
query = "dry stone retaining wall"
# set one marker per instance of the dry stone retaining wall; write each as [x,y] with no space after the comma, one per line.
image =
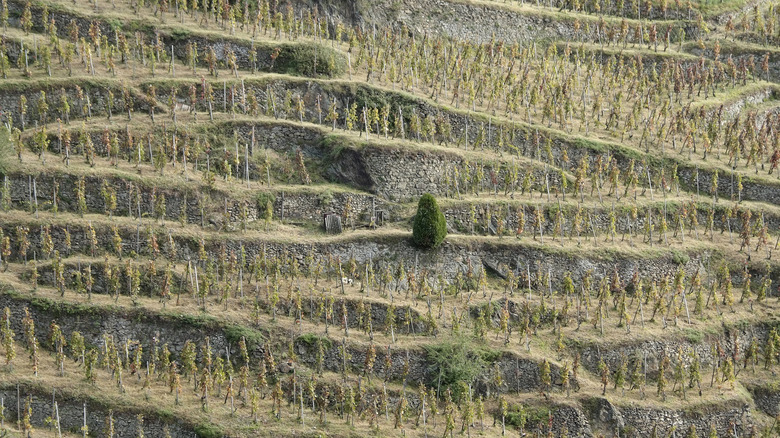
[71,414]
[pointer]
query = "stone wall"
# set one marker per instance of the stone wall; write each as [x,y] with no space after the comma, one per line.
[737,107]
[573,419]
[767,398]
[690,342]
[520,374]
[475,22]
[345,168]
[744,52]
[401,174]
[143,326]
[638,421]
[596,219]
[138,325]
[450,18]
[295,205]
[71,414]
[309,59]
[397,173]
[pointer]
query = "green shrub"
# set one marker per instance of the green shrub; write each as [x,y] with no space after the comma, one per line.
[234,333]
[164,414]
[208,430]
[693,336]
[679,257]
[311,340]
[263,198]
[517,417]
[430,227]
[309,60]
[454,364]
[326,198]
[527,417]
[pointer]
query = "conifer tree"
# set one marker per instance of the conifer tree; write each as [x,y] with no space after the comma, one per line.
[430,227]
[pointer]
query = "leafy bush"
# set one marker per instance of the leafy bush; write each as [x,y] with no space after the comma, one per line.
[208,430]
[311,340]
[430,227]
[263,198]
[304,59]
[679,257]
[527,417]
[234,333]
[454,364]
[326,198]
[693,336]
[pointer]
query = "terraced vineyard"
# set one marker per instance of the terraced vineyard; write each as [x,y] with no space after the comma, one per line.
[212,219]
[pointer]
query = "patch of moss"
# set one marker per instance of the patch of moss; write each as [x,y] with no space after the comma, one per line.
[693,336]
[208,430]
[309,60]
[263,198]
[311,340]
[679,257]
[234,333]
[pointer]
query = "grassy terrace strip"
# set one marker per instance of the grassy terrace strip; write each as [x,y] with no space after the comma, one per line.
[649,55]
[731,103]
[188,238]
[184,204]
